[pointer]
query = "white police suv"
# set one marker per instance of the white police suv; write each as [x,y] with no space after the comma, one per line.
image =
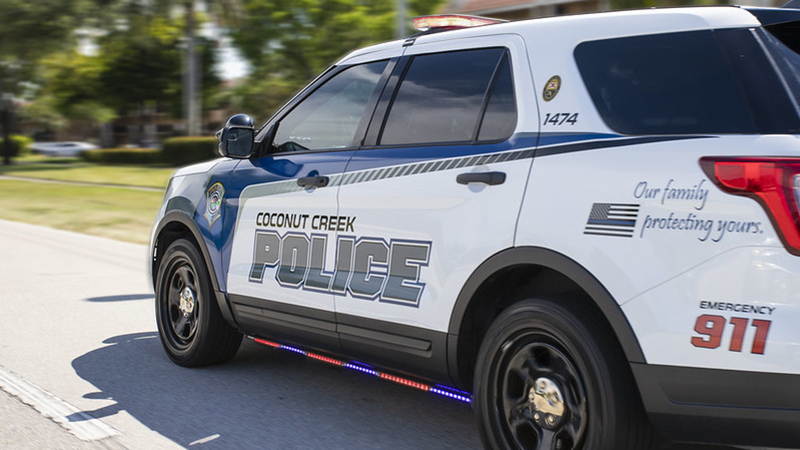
[588,227]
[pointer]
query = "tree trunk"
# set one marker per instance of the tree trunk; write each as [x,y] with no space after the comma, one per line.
[400,32]
[192,106]
[5,123]
[106,135]
[142,118]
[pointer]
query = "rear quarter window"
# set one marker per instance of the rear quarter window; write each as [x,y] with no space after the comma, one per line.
[674,83]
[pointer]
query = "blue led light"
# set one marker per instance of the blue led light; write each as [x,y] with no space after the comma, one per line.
[445,391]
[362,369]
[463,398]
[454,390]
[292,349]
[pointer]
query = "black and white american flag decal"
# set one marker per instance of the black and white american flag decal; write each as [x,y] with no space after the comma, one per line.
[612,219]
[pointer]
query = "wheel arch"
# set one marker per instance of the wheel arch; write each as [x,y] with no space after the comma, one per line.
[482,299]
[175,225]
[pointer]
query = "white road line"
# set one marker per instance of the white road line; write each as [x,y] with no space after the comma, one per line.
[71,418]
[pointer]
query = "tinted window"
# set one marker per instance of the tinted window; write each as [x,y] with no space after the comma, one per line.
[783,47]
[677,83]
[772,109]
[441,97]
[329,117]
[501,111]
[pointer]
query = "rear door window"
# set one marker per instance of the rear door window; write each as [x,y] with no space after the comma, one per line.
[446,97]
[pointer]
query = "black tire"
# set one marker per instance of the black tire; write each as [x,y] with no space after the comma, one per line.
[541,349]
[190,324]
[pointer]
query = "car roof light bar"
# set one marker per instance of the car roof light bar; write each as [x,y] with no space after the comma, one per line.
[452,21]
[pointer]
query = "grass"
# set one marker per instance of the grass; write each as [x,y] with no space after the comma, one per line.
[113,212]
[76,170]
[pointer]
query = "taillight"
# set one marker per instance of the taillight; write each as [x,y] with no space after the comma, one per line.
[772,182]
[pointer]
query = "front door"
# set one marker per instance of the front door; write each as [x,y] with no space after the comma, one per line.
[279,274]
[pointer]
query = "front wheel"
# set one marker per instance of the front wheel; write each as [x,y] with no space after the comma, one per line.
[550,377]
[190,324]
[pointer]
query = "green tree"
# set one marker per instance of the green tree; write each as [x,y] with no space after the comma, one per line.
[288,42]
[72,88]
[134,70]
[143,66]
[30,30]
[194,65]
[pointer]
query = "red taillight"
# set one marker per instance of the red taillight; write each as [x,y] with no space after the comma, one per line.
[773,182]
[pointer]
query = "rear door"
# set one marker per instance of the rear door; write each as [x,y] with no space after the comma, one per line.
[434,192]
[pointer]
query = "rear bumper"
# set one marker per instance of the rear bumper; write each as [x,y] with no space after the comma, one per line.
[721,406]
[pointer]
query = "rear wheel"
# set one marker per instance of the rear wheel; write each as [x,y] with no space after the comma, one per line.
[550,377]
[190,324]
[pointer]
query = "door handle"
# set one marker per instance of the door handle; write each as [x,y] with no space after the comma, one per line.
[318,181]
[490,178]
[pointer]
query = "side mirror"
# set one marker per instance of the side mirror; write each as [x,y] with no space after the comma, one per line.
[236,138]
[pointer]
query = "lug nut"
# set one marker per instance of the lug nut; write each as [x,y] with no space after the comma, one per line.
[550,420]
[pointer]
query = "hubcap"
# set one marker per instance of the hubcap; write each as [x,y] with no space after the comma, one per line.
[541,400]
[181,308]
[546,402]
[187,301]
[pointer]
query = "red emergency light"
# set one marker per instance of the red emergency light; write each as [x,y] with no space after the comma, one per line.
[449,21]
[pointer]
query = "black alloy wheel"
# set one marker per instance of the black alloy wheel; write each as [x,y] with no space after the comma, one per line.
[549,376]
[182,307]
[190,324]
[540,395]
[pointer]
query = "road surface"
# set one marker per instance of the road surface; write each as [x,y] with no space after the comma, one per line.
[78,338]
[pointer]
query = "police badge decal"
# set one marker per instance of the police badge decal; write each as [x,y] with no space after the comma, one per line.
[551,88]
[214,203]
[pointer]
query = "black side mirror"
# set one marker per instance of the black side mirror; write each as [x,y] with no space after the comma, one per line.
[236,138]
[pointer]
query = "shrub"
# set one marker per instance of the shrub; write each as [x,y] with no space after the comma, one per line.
[187,150]
[20,145]
[123,155]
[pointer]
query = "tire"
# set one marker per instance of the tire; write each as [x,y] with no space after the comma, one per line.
[549,376]
[190,324]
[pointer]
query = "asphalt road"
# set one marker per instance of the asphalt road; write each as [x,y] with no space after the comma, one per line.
[82,368]
[77,324]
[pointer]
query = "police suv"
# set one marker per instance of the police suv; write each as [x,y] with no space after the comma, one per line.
[588,226]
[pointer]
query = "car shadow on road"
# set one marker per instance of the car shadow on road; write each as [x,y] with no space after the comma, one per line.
[269,399]
[120,298]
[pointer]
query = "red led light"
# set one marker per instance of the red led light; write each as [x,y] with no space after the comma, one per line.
[425,23]
[405,382]
[270,343]
[770,182]
[447,392]
[335,362]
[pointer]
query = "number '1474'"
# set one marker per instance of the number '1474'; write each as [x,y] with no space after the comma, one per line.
[710,328]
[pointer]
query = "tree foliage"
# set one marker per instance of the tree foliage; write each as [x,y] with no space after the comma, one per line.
[288,42]
[30,30]
[137,61]
[135,68]
[72,88]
